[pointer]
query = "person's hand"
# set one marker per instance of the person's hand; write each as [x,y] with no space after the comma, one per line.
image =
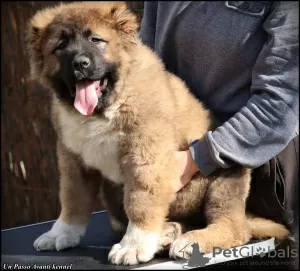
[187,168]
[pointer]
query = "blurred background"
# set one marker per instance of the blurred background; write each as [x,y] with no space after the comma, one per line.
[29,173]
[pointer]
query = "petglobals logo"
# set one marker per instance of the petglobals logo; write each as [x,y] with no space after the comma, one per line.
[220,255]
[197,259]
[263,251]
[242,252]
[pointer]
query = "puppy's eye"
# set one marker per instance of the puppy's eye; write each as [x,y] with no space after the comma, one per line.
[97,40]
[62,45]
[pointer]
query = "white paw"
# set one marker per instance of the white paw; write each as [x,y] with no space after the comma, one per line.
[60,237]
[181,248]
[130,255]
[137,246]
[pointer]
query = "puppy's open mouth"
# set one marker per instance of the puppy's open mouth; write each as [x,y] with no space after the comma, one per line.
[100,85]
[87,94]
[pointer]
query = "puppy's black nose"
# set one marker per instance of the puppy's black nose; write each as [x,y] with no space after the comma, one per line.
[81,62]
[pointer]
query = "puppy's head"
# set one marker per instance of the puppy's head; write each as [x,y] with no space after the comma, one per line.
[81,50]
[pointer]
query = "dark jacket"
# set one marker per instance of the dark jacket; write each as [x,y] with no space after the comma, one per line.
[240,58]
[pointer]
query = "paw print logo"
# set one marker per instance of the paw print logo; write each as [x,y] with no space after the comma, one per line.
[262,252]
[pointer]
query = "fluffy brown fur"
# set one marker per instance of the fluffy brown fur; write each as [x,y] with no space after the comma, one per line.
[132,142]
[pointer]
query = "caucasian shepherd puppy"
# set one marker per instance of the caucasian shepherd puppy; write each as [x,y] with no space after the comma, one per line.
[120,117]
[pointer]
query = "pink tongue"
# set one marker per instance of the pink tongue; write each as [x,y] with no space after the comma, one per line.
[86,98]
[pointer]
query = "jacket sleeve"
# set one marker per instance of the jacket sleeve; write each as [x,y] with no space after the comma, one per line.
[266,124]
[148,23]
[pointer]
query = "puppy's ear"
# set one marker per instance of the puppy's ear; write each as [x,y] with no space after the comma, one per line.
[33,36]
[125,20]
[32,41]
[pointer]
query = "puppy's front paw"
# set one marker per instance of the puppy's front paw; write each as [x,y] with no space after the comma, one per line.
[60,237]
[137,246]
[130,255]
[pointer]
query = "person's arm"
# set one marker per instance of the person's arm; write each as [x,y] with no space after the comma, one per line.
[262,128]
[148,23]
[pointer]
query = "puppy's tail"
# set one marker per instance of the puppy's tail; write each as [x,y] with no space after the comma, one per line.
[264,228]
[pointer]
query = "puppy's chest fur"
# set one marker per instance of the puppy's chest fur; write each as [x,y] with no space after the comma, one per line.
[95,140]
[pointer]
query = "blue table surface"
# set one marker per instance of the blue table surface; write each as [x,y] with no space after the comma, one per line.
[17,249]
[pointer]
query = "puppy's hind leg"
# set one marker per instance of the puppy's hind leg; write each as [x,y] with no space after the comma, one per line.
[78,191]
[225,215]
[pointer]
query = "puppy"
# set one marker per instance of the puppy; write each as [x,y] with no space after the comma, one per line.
[120,117]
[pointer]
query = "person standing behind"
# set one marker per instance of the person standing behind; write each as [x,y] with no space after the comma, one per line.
[241,59]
